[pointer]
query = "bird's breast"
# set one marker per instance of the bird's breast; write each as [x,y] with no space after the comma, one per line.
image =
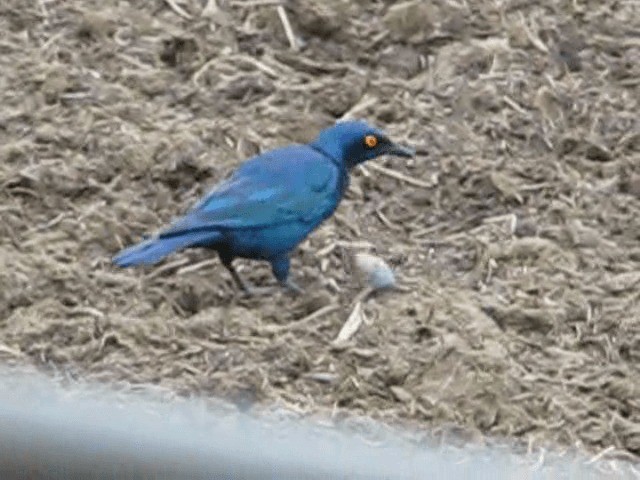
[266,242]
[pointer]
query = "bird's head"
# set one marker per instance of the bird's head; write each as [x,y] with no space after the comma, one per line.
[352,142]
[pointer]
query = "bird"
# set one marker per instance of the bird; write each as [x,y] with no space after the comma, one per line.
[270,203]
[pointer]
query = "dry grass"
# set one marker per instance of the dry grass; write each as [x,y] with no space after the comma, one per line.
[515,232]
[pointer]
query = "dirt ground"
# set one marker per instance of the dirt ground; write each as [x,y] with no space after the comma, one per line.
[514,233]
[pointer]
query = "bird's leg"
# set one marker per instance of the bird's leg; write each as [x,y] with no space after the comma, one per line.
[246,287]
[280,268]
[240,282]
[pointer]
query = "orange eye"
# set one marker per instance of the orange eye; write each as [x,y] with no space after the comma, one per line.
[370,141]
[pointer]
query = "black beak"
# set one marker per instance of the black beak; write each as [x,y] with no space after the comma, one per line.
[400,150]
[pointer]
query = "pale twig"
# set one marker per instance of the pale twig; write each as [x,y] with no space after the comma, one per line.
[326,250]
[178,9]
[513,104]
[89,311]
[599,455]
[134,61]
[54,38]
[383,218]
[535,41]
[445,384]
[282,13]
[10,351]
[327,309]
[351,326]
[195,78]
[535,186]
[363,295]
[256,3]
[399,176]
[365,102]
[169,266]
[260,66]
[197,266]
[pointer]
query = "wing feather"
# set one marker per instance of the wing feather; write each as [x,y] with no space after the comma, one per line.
[286,185]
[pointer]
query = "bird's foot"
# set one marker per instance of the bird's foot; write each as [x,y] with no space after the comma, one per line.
[292,286]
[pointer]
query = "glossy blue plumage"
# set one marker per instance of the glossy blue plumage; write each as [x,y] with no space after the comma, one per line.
[271,203]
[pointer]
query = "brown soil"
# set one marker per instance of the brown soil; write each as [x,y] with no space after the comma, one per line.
[515,232]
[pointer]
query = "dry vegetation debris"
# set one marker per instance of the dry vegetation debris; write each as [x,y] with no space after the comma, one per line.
[515,232]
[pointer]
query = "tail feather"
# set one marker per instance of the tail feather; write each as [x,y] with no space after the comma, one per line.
[154,249]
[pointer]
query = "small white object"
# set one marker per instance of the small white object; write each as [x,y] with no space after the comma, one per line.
[375,271]
[351,326]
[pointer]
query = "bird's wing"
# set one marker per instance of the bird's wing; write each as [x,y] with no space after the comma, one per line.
[293,184]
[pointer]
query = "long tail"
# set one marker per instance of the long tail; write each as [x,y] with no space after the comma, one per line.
[154,249]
